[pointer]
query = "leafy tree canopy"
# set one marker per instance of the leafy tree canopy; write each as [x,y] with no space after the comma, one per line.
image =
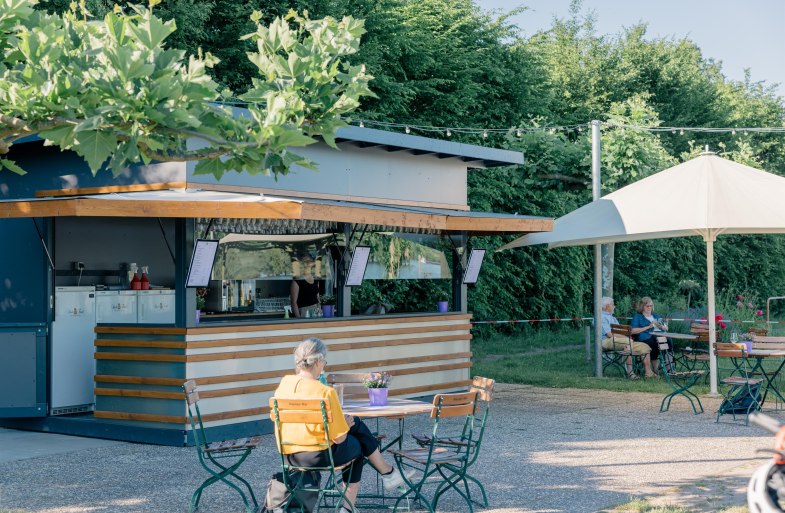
[110,91]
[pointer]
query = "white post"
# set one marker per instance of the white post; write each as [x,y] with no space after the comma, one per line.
[596,193]
[710,319]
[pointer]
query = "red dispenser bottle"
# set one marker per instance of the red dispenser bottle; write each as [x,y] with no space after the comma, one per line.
[144,282]
[136,283]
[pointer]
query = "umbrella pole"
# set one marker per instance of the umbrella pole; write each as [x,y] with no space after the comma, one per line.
[711,321]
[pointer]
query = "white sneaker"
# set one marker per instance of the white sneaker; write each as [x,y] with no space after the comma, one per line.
[395,479]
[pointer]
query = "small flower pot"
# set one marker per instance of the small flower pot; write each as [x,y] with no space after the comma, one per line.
[377,396]
[442,306]
[328,310]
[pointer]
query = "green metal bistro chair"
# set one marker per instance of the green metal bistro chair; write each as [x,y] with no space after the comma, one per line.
[313,412]
[471,443]
[621,356]
[679,381]
[742,394]
[436,460]
[220,459]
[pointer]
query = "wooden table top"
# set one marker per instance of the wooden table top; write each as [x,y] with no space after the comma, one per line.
[766,353]
[394,408]
[668,334]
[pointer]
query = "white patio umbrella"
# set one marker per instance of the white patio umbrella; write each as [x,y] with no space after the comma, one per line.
[706,196]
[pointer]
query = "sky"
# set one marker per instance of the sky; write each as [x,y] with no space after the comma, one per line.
[740,34]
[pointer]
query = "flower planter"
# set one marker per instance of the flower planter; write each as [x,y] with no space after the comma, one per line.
[377,396]
[198,315]
[442,306]
[328,310]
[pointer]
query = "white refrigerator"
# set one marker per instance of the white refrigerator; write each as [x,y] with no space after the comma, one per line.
[115,307]
[73,337]
[155,306]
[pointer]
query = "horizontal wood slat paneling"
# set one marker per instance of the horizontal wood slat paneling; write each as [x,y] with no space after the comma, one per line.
[139,330]
[148,394]
[174,419]
[141,357]
[163,344]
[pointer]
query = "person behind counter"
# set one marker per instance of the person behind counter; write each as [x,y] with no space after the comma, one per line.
[304,291]
[351,438]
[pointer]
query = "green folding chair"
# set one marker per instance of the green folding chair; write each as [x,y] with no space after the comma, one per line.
[313,412]
[742,394]
[679,381]
[438,461]
[471,443]
[220,459]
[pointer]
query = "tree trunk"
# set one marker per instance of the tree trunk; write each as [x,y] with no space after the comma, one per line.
[607,269]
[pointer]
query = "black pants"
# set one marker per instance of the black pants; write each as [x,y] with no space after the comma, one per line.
[359,442]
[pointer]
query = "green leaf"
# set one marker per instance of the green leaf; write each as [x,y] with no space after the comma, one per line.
[12,166]
[95,147]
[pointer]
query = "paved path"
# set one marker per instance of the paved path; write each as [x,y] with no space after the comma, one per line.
[547,450]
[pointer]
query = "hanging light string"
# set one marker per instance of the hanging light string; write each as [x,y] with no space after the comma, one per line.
[519,131]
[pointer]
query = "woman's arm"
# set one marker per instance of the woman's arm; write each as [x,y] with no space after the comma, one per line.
[640,324]
[294,291]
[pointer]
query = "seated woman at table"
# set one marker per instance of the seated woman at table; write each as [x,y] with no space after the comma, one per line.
[643,323]
[351,438]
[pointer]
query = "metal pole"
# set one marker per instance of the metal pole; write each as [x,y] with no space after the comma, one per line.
[595,180]
[712,323]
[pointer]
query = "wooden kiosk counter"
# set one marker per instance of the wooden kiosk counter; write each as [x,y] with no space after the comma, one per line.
[73,230]
[140,371]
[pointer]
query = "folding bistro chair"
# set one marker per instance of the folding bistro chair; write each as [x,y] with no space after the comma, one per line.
[312,412]
[220,459]
[450,463]
[470,440]
[743,394]
[697,358]
[680,382]
[623,358]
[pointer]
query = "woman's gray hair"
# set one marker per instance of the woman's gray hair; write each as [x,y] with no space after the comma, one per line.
[309,352]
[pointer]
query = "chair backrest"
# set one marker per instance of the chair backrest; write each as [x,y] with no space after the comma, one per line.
[352,383]
[624,330]
[729,350]
[757,331]
[764,342]
[194,414]
[483,387]
[454,405]
[300,411]
[701,330]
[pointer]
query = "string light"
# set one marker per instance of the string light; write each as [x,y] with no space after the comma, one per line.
[362,125]
[449,133]
[681,132]
[485,134]
[408,130]
[518,132]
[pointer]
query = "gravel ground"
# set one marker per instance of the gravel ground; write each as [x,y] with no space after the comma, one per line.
[546,450]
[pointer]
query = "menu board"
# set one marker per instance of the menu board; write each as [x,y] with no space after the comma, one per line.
[473,267]
[357,268]
[201,263]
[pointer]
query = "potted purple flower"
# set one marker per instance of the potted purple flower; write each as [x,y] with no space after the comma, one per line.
[376,384]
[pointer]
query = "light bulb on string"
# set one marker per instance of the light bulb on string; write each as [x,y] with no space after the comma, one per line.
[408,130]
[580,129]
[673,131]
[681,132]
[553,131]
[518,133]
[484,134]
[362,124]
[449,133]
[733,132]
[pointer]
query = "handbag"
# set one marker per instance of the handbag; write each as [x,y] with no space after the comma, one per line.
[278,492]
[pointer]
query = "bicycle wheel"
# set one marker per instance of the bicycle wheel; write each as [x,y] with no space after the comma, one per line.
[766,490]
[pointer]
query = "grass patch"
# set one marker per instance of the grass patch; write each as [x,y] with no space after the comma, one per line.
[549,358]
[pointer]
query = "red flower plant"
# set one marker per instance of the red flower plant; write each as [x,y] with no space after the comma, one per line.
[758,312]
[739,297]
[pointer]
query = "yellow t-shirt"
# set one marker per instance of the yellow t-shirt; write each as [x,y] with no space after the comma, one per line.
[295,387]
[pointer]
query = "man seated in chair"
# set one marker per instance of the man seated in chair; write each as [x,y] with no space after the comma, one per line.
[351,439]
[613,342]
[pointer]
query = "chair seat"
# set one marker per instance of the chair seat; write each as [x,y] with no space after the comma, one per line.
[426,440]
[685,374]
[233,445]
[738,380]
[439,456]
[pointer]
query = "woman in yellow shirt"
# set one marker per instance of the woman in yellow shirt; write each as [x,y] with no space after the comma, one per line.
[351,438]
